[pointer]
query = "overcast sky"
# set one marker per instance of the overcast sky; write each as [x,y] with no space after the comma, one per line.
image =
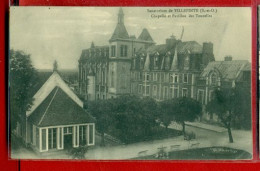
[62,32]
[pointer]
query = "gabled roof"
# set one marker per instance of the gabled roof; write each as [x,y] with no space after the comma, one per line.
[42,77]
[145,35]
[229,70]
[58,108]
[120,32]
[53,81]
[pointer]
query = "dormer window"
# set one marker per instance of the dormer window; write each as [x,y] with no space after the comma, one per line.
[167,60]
[186,63]
[156,61]
[141,62]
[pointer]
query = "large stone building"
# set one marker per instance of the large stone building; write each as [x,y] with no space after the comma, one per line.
[130,65]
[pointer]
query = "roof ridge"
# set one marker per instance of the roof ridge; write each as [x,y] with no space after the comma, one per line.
[48,106]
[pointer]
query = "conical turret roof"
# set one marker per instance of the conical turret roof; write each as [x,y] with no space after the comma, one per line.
[145,35]
[120,30]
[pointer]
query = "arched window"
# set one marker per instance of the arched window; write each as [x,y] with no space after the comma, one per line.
[213,79]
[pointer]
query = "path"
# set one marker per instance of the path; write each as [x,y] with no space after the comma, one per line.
[242,140]
[204,138]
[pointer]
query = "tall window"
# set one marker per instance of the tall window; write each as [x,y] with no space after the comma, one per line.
[162,77]
[154,91]
[211,95]
[123,50]
[185,78]
[175,92]
[176,78]
[147,77]
[91,135]
[200,96]
[140,88]
[44,145]
[154,76]
[166,77]
[165,93]
[103,77]
[148,90]
[184,92]
[213,79]
[52,138]
[113,51]
[140,76]
[171,78]
[112,79]
[82,135]
[123,80]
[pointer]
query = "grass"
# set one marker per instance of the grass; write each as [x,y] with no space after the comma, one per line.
[208,153]
[157,133]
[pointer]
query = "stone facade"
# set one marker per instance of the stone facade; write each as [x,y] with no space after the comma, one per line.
[130,65]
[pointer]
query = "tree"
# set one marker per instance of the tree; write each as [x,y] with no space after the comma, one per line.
[21,78]
[167,110]
[187,109]
[242,108]
[135,118]
[229,104]
[102,111]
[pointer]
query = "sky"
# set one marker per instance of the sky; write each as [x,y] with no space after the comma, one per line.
[61,33]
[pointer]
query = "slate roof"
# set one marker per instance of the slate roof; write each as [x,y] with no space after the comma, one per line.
[166,54]
[192,47]
[42,77]
[59,109]
[95,54]
[229,70]
[120,32]
[43,92]
[145,35]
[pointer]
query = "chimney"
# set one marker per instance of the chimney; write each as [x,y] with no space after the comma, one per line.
[207,48]
[228,58]
[170,42]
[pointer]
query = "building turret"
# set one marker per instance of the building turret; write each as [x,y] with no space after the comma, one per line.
[120,30]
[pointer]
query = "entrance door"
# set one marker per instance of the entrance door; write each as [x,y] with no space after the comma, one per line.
[68,141]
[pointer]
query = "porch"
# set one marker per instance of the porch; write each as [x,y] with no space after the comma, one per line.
[43,139]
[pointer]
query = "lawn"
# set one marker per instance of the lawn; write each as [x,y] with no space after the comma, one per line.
[209,153]
[156,133]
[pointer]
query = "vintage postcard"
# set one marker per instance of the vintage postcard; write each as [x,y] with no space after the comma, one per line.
[123,83]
